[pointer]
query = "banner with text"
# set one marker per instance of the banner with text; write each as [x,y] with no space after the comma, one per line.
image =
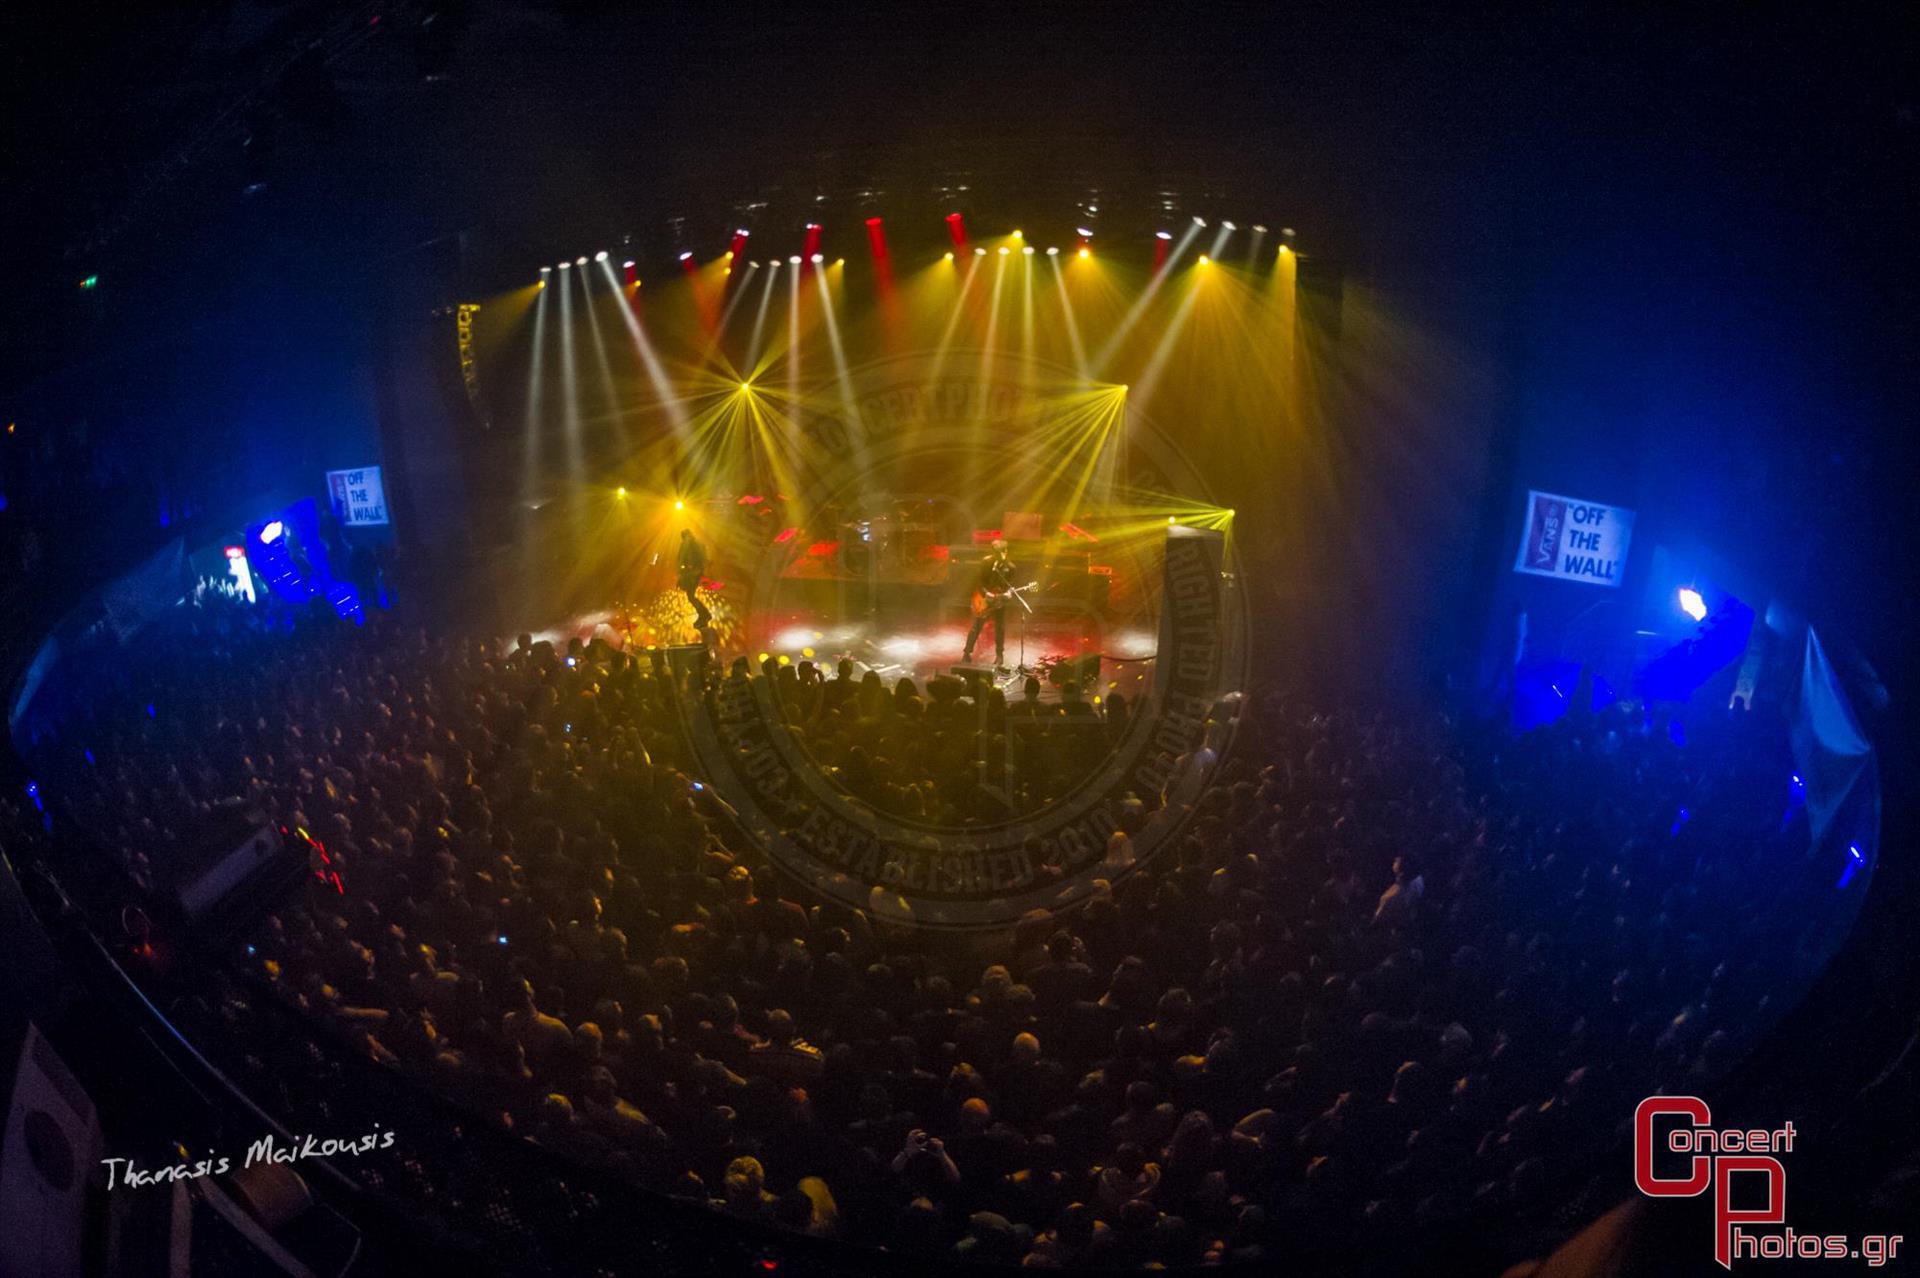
[357,496]
[1574,540]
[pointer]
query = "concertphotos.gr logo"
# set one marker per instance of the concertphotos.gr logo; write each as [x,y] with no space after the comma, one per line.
[1714,1158]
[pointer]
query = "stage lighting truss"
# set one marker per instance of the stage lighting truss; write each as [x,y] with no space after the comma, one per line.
[1084,233]
[469,367]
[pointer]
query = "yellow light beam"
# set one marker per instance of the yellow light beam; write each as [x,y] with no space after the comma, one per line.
[1104,359]
[1071,324]
[755,369]
[849,408]
[726,314]
[663,388]
[536,403]
[953,321]
[612,401]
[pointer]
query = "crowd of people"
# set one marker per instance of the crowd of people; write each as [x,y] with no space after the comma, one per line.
[1395,970]
[953,752]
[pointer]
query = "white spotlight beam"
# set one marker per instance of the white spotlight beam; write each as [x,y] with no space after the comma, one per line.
[726,313]
[570,387]
[615,410]
[793,334]
[760,321]
[663,389]
[1140,303]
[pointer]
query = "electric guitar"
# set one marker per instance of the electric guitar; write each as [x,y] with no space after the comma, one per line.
[985,601]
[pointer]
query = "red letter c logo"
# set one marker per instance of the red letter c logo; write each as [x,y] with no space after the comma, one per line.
[1691,1107]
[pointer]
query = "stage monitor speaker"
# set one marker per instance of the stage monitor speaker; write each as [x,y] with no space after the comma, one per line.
[1081,671]
[52,1144]
[682,659]
[945,689]
[1191,579]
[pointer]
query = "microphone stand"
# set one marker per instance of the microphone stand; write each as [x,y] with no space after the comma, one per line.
[1025,607]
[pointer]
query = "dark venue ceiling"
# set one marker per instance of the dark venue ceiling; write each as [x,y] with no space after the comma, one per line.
[210,162]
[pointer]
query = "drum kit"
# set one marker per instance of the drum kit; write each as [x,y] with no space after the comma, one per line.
[890,542]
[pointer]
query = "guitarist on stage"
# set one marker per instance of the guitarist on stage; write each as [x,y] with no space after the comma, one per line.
[991,589]
[693,567]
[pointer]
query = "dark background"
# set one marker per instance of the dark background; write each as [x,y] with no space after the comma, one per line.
[1680,235]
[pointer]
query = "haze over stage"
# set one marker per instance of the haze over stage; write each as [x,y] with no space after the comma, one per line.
[1445,682]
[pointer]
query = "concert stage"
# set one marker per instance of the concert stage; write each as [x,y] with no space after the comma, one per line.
[1101,660]
[902,612]
[894,587]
